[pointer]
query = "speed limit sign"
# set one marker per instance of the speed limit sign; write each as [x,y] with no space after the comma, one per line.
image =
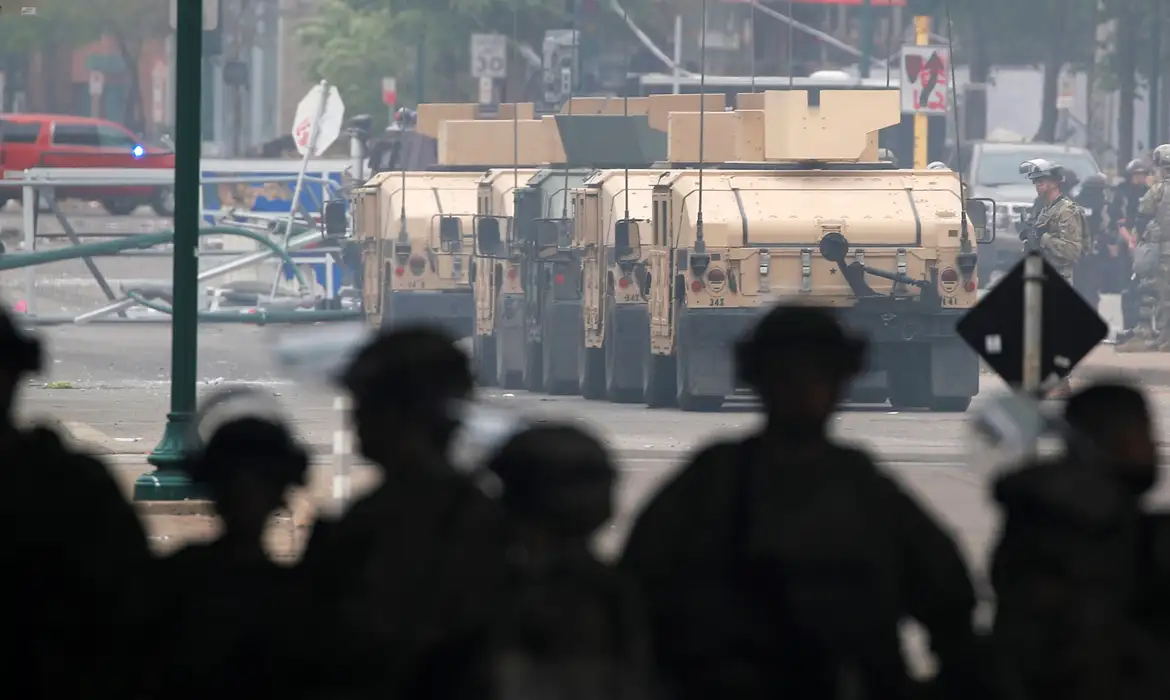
[489,56]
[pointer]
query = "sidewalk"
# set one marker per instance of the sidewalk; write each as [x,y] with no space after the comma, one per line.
[1151,369]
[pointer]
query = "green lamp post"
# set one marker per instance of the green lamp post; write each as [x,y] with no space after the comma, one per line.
[166,483]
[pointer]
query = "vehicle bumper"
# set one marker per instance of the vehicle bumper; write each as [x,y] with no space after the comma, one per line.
[451,311]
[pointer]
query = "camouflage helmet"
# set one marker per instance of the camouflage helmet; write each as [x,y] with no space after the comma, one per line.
[937,165]
[1137,166]
[1161,156]
[1041,169]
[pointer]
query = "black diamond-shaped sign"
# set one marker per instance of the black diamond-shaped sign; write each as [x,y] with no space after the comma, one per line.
[1070,327]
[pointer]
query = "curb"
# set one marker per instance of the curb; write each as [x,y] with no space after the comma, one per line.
[1144,376]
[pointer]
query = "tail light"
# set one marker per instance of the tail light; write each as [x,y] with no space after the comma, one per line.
[697,286]
[624,282]
[512,273]
[948,279]
[559,279]
[399,271]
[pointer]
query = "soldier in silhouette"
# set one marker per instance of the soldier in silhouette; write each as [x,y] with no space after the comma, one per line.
[76,550]
[1069,567]
[224,628]
[783,564]
[416,568]
[572,627]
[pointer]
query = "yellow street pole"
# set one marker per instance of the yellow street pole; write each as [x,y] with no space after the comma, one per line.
[921,38]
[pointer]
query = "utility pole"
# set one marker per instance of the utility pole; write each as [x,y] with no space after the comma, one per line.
[1153,97]
[921,125]
[866,37]
[167,483]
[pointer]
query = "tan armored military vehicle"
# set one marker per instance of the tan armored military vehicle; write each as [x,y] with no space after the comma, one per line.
[527,270]
[416,231]
[801,208]
[614,230]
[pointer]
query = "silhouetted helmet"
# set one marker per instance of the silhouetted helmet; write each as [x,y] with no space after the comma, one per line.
[1040,169]
[1137,166]
[799,337]
[1161,156]
[885,155]
[257,445]
[19,351]
[937,165]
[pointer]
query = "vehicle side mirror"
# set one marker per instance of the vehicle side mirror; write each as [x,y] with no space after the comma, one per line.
[551,236]
[981,216]
[450,234]
[627,241]
[489,237]
[333,218]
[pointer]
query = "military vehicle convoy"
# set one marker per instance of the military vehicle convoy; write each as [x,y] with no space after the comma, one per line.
[803,209]
[632,285]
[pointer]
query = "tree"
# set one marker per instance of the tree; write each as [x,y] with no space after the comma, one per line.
[353,49]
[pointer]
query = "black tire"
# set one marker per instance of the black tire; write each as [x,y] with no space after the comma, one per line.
[591,373]
[483,349]
[505,379]
[553,386]
[950,404]
[610,346]
[658,381]
[533,367]
[910,390]
[163,202]
[692,402]
[120,206]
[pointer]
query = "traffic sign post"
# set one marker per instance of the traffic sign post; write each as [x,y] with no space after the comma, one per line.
[97,85]
[489,56]
[1032,328]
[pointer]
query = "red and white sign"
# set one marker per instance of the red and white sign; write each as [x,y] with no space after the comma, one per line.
[389,91]
[97,83]
[926,80]
[327,104]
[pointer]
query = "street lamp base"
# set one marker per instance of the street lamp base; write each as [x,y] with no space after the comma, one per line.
[167,482]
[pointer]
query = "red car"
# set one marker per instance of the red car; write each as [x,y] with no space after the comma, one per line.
[63,141]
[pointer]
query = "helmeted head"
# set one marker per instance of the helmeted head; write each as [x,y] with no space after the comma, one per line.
[558,476]
[1048,177]
[1161,159]
[406,385]
[937,165]
[248,464]
[1096,181]
[20,355]
[799,359]
[1137,171]
[1115,420]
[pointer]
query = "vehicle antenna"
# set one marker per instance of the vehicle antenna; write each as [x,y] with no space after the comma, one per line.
[572,91]
[515,120]
[626,113]
[964,239]
[791,48]
[402,236]
[889,43]
[752,25]
[700,245]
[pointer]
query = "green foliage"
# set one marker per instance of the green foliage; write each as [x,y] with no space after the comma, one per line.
[354,49]
[57,23]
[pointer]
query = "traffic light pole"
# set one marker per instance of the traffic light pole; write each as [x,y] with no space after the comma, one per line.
[921,38]
[1033,322]
[167,483]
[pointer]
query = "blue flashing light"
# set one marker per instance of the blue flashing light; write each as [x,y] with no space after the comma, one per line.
[138,151]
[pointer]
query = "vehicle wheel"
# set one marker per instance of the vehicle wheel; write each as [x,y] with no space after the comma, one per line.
[950,404]
[504,378]
[658,381]
[548,383]
[119,206]
[613,392]
[592,373]
[868,396]
[163,202]
[483,350]
[908,389]
[686,400]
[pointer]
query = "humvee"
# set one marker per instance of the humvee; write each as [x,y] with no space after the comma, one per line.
[416,232]
[800,208]
[614,234]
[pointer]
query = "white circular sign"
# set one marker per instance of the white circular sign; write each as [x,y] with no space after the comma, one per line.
[330,124]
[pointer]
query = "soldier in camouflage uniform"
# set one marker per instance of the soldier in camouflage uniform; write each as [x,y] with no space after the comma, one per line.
[1153,226]
[1059,228]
